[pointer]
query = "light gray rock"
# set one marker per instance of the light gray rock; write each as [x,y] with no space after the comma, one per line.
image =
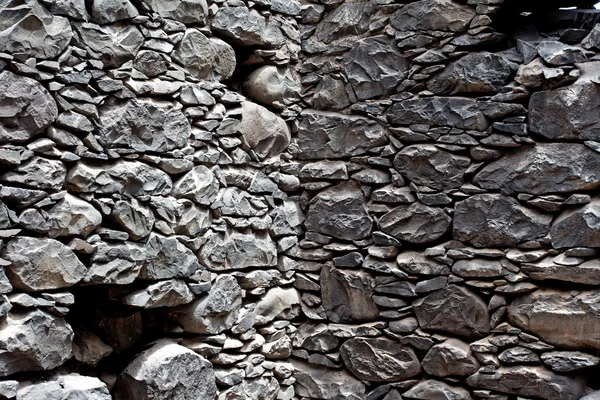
[186,11]
[71,386]
[30,29]
[323,134]
[450,358]
[587,273]
[431,389]
[199,185]
[134,217]
[592,396]
[323,383]
[436,15]
[287,218]
[558,53]
[116,43]
[246,27]
[27,108]
[143,124]
[473,73]
[577,227]
[106,12]
[414,262]
[238,250]
[346,20]
[167,371]
[41,264]
[454,310]
[132,178]
[426,165]
[150,63]
[118,264]
[341,212]
[277,303]
[232,201]
[169,293]
[415,223]
[264,132]
[348,295]
[529,381]
[38,173]
[205,58]
[543,168]
[74,9]
[518,355]
[567,361]
[167,258]
[272,86]
[373,65]
[33,341]
[72,216]
[478,268]
[456,112]
[486,220]
[559,317]
[379,360]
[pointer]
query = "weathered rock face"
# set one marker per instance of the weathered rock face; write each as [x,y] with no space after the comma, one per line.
[416,223]
[348,296]
[187,11]
[436,390]
[166,371]
[264,132]
[436,15]
[247,27]
[118,43]
[238,251]
[324,383]
[66,386]
[559,317]
[577,227]
[451,358]
[347,20]
[272,86]
[340,212]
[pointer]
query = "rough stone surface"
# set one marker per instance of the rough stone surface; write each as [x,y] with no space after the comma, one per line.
[187,11]
[432,389]
[348,296]
[64,387]
[450,358]
[324,383]
[416,223]
[272,86]
[436,15]
[263,131]
[238,251]
[577,227]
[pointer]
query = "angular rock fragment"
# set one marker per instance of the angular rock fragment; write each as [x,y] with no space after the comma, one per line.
[104,12]
[494,220]
[431,389]
[72,216]
[71,386]
[38,173]
[577,227]
[41,264]
[166,258]
[414,262]
[232,201]
[116,43]
[347,19]
[436,15]
[186,11]
[529,381]
[415,223]
[199,185]
[277,303]
[170,293]
[167,371]
[247,27]
[263,131]
[456,112]
[379,360]
[587,273]
[567,361]
[478,268]
[238,251]
[89,348]
[557,53]
[27,107]
[543,168]
[33,341]
[426,165]
[341,212]
[134,217]
[324,383]
[118,264]
[455,310]
[348,296]
[143,124]
[323,134]
[450,358]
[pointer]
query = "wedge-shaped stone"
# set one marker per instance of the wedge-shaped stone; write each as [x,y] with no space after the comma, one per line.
[587,273]
[456,112]
[71,386]
[318,382]
[577,227]
[436,15]
[450,358]
[238,250]
[416,223]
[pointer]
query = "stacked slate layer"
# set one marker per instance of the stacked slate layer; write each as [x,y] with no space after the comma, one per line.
[281,199]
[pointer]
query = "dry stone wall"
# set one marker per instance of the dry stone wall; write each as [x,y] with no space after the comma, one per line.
[282,199]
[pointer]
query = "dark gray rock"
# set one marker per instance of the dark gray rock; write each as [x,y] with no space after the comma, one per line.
[415,223]
[450,358]
[324,383]
[134,217]
[33,341]
[150,63]
[41,264]
[166,258]
[415,262]
[587,273]
[567,361]
[518,355]
[247,27]
[263,131]
[436,15]
[577,227]
[427,165]
[373,66]
[486,220]
[348,295]
[71,386]
[529,381]
[331,135]
[30,29]
[563,318]
[379,360]
[27,107]
[238,250]
[315,337]
[558,53]
[341,212]
[186,11]
[38,173]
[455,310]
[431,389]
[473,73]
[116,43]
[143,124]
[456,112]
[543,168]
[167,371]
[115,263]
[346,20]
[478,268]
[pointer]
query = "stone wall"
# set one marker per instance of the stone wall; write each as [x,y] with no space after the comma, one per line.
[273,199]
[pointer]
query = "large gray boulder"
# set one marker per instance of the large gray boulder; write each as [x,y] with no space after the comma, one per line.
[27,107]
[494,220]
[143,124]
[73,216]
[577,227]
[543,168]
[118,263]
[563,318]
[29,28]
[166,258]
[33,341]
[71,386]
[116,43]
[453,309]
[237,250]
[247,27]
[323,134]
[433,15]
[415,223]
[586,273]
[427,165]
[167,371]
[318,382]
[264,132]
[379,360]
[272,86]
[346,20]
[341,212]
[41,264]
[38,173]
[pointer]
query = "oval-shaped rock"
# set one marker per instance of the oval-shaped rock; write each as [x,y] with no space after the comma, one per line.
[270,84]
[379,360]
[73,216]
[426,165]
[263,131]
[450,358]
[341,212]
[41,264]
[416,223]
